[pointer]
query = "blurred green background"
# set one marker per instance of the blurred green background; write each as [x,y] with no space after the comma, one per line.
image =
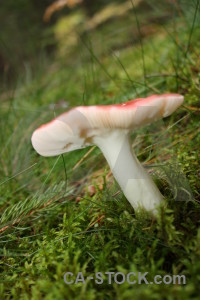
[58,54]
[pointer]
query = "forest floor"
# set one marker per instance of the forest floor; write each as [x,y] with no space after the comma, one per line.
[67,213]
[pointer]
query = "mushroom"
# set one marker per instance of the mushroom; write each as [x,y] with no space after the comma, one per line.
[108,127]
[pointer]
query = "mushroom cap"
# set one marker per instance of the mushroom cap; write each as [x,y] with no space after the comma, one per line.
[78,127]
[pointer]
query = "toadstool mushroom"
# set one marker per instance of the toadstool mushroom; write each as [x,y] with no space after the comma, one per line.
[108,127]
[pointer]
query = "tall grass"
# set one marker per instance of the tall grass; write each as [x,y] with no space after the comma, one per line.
[50,223]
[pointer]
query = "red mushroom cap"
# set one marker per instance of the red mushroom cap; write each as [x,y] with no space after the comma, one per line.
[78,127]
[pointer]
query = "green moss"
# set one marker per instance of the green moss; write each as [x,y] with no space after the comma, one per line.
[45,230]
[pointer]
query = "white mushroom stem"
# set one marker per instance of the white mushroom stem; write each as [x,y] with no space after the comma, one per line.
[136,184]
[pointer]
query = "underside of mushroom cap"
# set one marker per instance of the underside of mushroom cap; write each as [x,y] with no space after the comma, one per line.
[78,127]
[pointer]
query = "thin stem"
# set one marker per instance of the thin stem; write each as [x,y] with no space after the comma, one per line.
[136,184]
